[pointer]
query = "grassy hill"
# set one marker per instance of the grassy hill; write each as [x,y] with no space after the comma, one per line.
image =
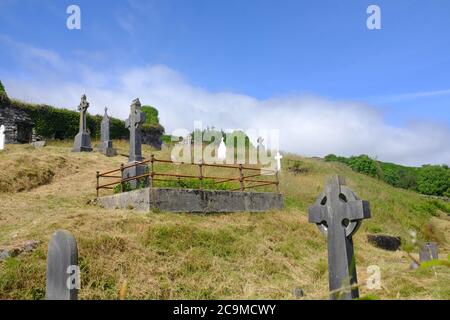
[220,256]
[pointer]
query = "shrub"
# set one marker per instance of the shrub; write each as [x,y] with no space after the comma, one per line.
[434,180]
[364,164]
[55,123]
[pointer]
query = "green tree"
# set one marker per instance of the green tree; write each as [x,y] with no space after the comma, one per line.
[434,180]
[2,88]
[151,114]
[364,164]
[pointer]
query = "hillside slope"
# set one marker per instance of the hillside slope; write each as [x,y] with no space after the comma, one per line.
[184,256]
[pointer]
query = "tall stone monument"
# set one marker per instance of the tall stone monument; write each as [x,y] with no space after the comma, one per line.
[134,123]
[63,272]
[83,139]
[105,145]
[338,213]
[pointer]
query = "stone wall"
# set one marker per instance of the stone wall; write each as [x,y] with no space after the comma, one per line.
[193,201]
[18,125]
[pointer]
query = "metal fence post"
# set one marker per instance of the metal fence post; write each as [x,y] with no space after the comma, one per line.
[98,178]
[200,166]
[152,168]
[241,177]
[277,182]
[121,178]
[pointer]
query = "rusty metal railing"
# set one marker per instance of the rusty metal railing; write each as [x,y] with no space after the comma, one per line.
[245,181]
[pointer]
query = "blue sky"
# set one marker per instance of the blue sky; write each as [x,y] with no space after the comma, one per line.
[257,50]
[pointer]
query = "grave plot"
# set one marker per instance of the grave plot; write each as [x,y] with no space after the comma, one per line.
[170,190]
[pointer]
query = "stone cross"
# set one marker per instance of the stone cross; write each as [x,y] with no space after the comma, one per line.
[338,213]
[63,272]
[278,158]
[134,123]
[84,105]
[2,137]
[105,146]
[83,138]
[222,151]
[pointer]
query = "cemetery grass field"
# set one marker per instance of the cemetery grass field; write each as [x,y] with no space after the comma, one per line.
[221,256]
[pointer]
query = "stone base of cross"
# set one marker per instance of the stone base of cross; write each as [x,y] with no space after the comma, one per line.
[82,143]
[107,149]
[136,171]
[338,213]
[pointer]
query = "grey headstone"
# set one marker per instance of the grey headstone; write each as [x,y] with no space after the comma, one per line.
[338,213]
[105,145]
[82,141]
[134,123]
[428,251]
[62,267]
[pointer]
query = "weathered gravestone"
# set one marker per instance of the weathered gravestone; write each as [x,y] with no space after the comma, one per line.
[62,267]
[2,137]
[83,139]
[105,145]
[428,251]
[338,213]
[133,123]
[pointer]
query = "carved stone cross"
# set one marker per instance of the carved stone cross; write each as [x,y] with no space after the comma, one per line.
[84,105]
[338,213]
[82,141]
[134,123]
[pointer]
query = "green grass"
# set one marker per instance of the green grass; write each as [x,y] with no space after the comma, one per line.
[217,256]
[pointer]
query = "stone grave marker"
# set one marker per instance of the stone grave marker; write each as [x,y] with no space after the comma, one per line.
[134,123]
[83,139]
[338,213]
[63,274]
[2,137]
[428,251]
[105,145]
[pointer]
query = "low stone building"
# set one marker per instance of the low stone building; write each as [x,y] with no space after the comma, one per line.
[18,125]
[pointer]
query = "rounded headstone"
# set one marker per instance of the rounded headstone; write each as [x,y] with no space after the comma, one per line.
[62,267]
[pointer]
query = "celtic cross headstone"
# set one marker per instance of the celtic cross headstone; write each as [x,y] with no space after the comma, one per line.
[105,145]
[63,273]
[338,213]
[134,123]
[83,139]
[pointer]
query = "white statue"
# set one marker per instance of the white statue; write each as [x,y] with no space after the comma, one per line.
[222,151]
[278,157]
[2,137]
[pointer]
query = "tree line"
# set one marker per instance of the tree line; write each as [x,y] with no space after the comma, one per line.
[428,179]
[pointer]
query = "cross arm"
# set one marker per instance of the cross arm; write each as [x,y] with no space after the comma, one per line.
[358,210]
[317,214]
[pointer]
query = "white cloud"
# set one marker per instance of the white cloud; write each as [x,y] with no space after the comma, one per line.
[310,126]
